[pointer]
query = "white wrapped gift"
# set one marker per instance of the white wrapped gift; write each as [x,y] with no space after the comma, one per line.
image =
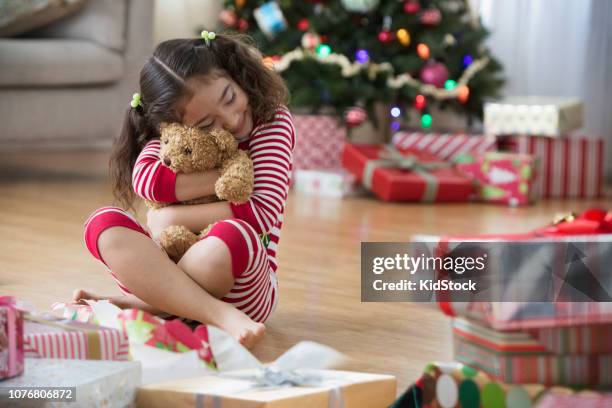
[533,115]
[104,384]
[325,183]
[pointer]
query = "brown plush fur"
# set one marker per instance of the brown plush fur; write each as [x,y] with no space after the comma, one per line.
[187,150]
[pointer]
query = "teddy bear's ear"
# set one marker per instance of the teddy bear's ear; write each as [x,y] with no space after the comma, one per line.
[224,140]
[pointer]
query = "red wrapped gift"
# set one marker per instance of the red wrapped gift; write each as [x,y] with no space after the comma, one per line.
[571,167]
[11,338]
[395,177]
[443,146]
[319,142]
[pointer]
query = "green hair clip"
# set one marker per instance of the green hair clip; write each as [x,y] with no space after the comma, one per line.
[208,36]
[136,101]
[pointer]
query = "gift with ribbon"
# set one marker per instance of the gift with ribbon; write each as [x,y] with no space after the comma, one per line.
[50,337]
[11,338]
[506,178]
[519,357]
[298,378]
[393,176]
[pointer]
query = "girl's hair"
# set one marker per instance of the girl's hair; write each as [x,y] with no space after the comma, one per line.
[163,83]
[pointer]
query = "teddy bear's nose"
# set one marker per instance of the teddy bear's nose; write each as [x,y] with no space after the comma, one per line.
[167,161]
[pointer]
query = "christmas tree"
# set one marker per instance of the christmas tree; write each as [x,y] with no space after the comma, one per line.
[411,55]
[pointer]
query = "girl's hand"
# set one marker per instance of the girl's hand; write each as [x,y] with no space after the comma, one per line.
[159,219]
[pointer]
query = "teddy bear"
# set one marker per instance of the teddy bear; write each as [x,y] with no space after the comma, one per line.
[187,149]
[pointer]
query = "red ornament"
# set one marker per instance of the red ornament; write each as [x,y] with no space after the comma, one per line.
[303,24]
[243,25]
[431,16]
[412,7]
[420,102]
[355,116]
[385,36]
[434,73]
[228,17]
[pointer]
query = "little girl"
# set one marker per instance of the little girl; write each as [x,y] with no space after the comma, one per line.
[227,279]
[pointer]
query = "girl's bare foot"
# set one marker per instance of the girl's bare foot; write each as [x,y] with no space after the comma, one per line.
[241,327]
[121,301]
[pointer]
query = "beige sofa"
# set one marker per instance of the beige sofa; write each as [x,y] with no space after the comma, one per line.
[69,84]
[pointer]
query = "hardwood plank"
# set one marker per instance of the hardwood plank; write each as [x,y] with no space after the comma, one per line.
[46,197]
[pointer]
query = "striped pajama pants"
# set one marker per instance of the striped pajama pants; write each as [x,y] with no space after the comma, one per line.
[255,285]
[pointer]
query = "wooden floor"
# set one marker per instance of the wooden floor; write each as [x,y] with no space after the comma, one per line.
[45,198]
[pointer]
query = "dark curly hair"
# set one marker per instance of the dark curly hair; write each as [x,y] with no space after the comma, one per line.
[163,83]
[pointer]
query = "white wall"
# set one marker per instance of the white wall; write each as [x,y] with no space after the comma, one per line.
[180,18]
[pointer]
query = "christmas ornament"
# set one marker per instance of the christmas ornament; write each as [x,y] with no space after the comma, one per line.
[403,36]
[434,73]
[412,7]
[303,24]
[385,36]
[449,40]
[463,93]
[228,17]
[355,116]
[243,25]
[431,16]
[240,4]
[420,102]
[310,41]
[423,51]
[362,56]
[270,19]
[360,6]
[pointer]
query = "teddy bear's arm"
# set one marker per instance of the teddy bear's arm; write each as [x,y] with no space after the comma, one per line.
[236,181]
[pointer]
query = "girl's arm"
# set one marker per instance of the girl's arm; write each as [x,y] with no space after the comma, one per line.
[153,181]
[270,149]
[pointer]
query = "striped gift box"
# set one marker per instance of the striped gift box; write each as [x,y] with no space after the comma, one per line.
[571,167]
[73,340]
[519,358]
[443,146]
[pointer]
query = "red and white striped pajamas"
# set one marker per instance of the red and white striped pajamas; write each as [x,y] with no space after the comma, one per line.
[252,236]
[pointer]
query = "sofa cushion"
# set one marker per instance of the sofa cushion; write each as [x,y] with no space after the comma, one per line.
[50,62]
[100,21]
[19,16]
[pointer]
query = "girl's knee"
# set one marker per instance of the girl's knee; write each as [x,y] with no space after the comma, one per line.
[103,219]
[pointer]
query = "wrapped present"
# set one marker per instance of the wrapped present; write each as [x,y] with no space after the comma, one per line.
[270,19]
[567,399]
[457,385]
[325,183]
[507,178]
[11,338]
[319,142]
[443,146]
[512,358]
[534,115]
[61,338]
[583,339]
[320,388]
[395,177]
[78,312]
[171,335]
[570,167]
[103,384]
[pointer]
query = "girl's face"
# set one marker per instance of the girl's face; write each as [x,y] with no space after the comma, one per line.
[218,102]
